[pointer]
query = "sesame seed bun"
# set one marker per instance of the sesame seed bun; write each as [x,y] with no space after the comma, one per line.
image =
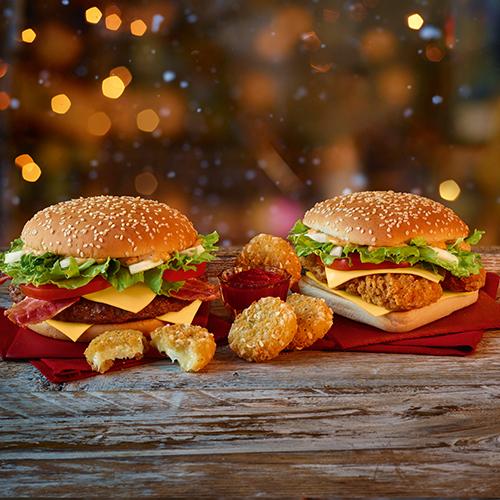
[385,218]
[109,226]
[145,326]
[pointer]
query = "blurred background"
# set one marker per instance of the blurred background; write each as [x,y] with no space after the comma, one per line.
[242,114]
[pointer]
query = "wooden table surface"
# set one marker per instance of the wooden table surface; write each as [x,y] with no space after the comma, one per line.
[308,424]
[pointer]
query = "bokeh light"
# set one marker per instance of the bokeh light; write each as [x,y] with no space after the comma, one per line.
[93,15]
[23,159]
[60,104]
[146,183]
[4,67]
[245,105]
[434,53]
[4,100]
[147,120]
[449,190]
[99,123]
[415,21]
[113,22]
[28,35]
[138,27]
[113,87]
[31,172]
[123,74]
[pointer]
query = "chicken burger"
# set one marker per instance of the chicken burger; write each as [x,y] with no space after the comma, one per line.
[392,260]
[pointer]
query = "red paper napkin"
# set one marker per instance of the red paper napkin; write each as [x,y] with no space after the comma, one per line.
[60,360]
[455,335]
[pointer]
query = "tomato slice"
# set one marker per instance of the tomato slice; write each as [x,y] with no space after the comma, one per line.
[180,275]
[53,292]
[355,264]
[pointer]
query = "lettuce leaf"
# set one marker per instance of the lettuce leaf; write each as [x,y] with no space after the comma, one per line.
[46,269]
[417,252]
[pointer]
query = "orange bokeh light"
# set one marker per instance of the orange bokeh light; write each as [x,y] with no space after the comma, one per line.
[23,159]
[113,87]
[28,35]
[4,67]
[113,22]
[60,104]
[93,15]
[31,172]
[4,100]
[434,53]
[123,74]
[147,120]
[138,27]
[99,124]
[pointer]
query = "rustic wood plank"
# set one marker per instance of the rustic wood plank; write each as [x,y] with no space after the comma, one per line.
[99,424]
[378,473]
[311,369]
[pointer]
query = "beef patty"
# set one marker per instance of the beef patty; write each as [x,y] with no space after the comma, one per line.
[87,311]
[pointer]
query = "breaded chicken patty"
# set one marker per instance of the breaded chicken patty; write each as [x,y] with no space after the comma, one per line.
[397,292]
[469,284]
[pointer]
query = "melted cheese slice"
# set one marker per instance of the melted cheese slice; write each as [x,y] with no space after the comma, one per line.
[372,308]
[132,299]
[336,278]
[72,330]
[356,299]
[184,316]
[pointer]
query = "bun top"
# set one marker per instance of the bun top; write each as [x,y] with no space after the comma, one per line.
[109,226]
[385,218]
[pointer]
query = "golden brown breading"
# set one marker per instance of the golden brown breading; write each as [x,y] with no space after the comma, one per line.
[114,344]
[397,292]
[193,347]
[267,250]
[314,264]
[469,284]
[314,319]
[263,330]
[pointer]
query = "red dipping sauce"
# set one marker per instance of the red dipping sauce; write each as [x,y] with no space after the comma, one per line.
[240,287]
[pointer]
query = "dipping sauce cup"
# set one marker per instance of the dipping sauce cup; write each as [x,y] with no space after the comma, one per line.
[241,286]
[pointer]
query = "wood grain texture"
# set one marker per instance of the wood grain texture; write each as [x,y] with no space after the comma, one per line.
[308,424]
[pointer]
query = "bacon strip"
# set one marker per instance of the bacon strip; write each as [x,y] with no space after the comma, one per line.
[195,288]
[4,278]
[35,310]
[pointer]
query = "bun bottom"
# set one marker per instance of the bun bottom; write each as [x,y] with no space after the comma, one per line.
[398,321]
[145,326]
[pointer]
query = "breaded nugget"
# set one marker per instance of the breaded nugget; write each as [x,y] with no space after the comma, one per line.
[397,292]
[469,284]
[193,347]
[267,250]
[114,344]
[314,319]
[263,330]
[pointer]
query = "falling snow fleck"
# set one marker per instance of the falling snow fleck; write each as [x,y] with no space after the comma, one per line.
[183,84]
[465,91]
[437,99]
[168,76]
[408,112]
